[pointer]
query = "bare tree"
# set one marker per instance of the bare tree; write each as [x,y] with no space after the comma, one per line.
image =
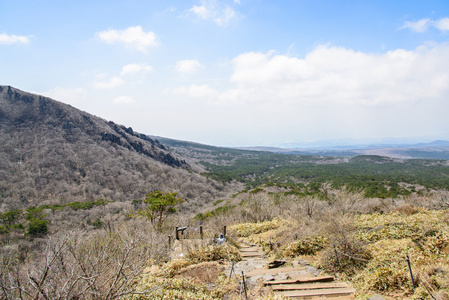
[97,266]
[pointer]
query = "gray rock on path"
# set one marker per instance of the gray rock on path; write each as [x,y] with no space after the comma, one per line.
[309,268]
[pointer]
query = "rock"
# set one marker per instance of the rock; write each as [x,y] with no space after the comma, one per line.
[282,276]
[309,268]
[376,297]
[297,273]
[314,271]
[252,282]
[303,262]
[276,264]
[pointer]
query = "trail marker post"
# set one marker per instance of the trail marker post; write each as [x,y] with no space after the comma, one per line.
[411,273]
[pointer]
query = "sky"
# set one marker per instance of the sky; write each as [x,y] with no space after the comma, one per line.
[239,72]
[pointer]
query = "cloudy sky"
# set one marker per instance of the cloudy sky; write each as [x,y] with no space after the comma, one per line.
[238,72]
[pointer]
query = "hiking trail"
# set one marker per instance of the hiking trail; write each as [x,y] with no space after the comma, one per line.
[295,279]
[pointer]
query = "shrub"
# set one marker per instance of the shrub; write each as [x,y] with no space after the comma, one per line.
[225,209]
[81,266]
[347,258]
[217,202]
[37,227]
[346,252]
[155,287]
[97,223]
[214,253]
[3,230]
[247,229]
[307,246]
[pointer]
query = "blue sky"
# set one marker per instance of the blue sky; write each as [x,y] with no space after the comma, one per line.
[238,73]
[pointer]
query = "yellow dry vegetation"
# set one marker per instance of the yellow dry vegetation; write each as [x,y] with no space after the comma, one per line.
[308,246]
[173,280]
[214,253]
[247,229]
[421,234]
[379,244]
[377,264]
[152,286]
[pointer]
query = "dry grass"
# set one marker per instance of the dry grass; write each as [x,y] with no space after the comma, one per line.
[198,275]
[371,238]
[247,229]
[214,253]
[422,235]
[307,246]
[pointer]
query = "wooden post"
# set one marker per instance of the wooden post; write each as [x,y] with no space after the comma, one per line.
[336,256]
[177,234]
[224,231]
[411,273]
[244,285]
[169,243]
[232,269]
[201,231]
[182,243]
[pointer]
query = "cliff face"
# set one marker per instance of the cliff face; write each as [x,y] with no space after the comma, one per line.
[50,151]
[23,110]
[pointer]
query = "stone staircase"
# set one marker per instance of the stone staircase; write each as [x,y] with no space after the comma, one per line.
[294,279]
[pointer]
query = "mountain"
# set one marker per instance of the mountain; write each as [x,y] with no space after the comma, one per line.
[52,153]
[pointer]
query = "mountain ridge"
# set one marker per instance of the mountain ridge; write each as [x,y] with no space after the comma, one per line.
[54,153]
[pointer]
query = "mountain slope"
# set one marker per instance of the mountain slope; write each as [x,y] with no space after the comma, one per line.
[51,152]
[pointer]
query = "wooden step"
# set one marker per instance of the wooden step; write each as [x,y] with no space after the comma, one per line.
[309,286]
[301,280]
[317,293]
[252,254]
[341,297]
[250,249]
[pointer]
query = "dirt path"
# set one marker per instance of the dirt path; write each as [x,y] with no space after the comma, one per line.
[293,279]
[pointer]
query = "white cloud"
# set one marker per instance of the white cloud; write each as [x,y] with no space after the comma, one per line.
[334,77]
[133,37]
[201,12]
[215,11]
[340,76]
[442,24]
[418,26]
[188,66]
[113,82]
[13,39]
[123,100]
[136,68]
[72,96]
[225,17]
[424,24]
[331,92]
